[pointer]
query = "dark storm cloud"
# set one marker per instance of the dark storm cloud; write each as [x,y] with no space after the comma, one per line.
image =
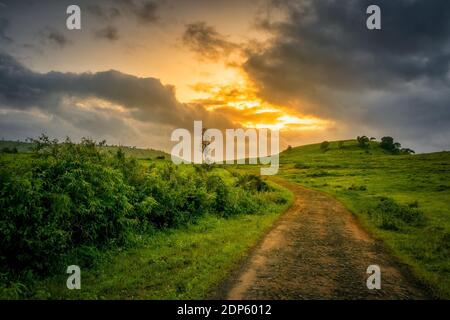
[109,13]
[4,24]
[324,61]
[206,42]
[110,33]
[326,42]
[145,98]
[53,37]
[146,12]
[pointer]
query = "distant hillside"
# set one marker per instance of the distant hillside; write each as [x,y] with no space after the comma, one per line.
[130,151]
[335,148]
[139,153]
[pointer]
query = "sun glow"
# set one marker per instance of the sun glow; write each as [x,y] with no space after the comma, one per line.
[240,101]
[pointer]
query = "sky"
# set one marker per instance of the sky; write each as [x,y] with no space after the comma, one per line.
[137,70]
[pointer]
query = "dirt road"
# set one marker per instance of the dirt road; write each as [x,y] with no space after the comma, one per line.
[317,250]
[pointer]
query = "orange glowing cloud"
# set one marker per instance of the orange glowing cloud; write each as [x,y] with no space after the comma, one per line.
[240,102]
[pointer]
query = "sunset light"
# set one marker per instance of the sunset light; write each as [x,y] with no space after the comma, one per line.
[224,150]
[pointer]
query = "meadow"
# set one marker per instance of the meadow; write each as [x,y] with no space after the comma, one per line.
[402,199]
[142,228]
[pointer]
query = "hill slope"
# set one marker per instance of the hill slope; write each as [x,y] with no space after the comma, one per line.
[402,199]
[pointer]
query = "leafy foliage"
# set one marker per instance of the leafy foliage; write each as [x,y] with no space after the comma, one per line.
[388,144]
[71,200]
[363,141]
[68,196]
[9,150]
[390,215]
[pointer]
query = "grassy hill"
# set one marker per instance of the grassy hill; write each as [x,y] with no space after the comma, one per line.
[344,148]
[402,199]
[129,151]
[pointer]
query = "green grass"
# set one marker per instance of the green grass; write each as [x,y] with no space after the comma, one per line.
[185,263]
[359,177]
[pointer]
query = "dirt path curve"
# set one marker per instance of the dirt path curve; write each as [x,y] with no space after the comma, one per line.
[317,250]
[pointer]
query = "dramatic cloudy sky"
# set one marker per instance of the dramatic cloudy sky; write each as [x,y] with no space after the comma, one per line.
[139,69]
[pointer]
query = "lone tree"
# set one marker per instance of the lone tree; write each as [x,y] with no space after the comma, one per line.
[363,141]
[388,144]
[9,150]
[324,146]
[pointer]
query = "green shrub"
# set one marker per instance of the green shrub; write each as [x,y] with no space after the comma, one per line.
[221,192]
[67,202]
[390,215]
[67,199]
[251,182]
[324,146]
[363,141]
[354,187]
[9,150]
[12,291]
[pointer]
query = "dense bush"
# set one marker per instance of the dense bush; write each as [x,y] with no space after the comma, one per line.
[390,215]
[9,150]
[67,198]
[388,144]
[252,182]
[355,187]
[324,146]
[71,199]
[363,141]
[169,199]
